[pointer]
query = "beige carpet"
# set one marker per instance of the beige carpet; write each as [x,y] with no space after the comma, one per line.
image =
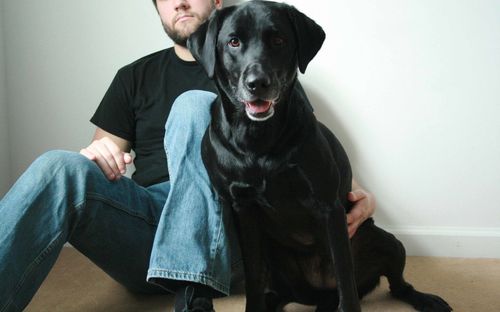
[75,284]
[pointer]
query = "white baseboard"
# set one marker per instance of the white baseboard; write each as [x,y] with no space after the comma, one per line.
[449,241]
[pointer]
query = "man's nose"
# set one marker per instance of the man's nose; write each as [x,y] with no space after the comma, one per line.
[181,4]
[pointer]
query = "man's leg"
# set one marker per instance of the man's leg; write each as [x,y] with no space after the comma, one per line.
[64,196]
[196,247]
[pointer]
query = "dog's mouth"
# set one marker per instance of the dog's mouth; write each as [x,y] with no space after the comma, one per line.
[260,110]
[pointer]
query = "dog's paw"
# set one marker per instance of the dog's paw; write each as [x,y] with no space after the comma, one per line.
[430,303]
[353,308]
[201,305]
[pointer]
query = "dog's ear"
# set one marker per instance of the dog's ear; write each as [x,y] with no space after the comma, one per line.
[203,43]
[309,37]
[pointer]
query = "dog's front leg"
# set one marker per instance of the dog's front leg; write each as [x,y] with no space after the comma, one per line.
[340,248]
[250,238]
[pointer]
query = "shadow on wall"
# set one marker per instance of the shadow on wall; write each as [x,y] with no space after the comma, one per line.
[232,2]
[324,111]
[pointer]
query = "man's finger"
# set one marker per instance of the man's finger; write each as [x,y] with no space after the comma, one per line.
[118,160]
[127,158]
[101,161]
[356,195]
[85,152]
[351,230]
[111,159]
[350,219]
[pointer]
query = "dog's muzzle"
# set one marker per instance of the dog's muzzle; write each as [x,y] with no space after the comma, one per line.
[258,95]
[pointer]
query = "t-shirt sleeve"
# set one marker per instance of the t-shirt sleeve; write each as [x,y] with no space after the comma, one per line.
[115,113]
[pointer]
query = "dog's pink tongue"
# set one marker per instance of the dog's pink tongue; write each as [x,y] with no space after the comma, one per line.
[258,107]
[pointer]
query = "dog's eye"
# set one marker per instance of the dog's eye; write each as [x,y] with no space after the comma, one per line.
[234,42]
[278,41]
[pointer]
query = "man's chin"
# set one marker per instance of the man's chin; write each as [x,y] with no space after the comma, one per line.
[176,37]
[179,37]
[180,41]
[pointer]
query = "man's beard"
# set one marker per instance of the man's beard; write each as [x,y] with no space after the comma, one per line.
[180,37]
[176,36]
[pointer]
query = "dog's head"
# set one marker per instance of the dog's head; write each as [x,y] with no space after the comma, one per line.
[254,50]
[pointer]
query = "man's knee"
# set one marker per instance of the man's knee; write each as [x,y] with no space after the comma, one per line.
[61,162]
[53,177]
[192,106]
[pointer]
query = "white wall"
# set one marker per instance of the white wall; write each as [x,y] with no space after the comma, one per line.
[4,138]
[62,58]
[411,88]
[407,86]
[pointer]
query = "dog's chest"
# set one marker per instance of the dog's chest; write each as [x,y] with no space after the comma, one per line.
[284,203]
[288,215]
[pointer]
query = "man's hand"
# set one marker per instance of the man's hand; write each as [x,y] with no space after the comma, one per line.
[108,152]
[363,208]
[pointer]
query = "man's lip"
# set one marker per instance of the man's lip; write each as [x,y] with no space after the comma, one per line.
[183,17]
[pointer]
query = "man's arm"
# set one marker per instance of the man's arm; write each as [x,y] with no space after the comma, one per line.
[364,207]
[109,152]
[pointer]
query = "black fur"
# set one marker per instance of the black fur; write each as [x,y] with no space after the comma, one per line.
[285,174]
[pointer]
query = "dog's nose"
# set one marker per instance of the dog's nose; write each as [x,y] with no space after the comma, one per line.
[257,81]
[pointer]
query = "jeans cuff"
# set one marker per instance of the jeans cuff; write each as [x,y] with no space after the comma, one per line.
[201,278]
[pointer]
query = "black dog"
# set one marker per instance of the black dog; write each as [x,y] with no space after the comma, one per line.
[285,174]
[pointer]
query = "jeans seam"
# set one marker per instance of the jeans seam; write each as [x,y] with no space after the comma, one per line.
[217,244]
[43,254]
[118,206]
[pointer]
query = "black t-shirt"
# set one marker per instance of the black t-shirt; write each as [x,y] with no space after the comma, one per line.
[137,104]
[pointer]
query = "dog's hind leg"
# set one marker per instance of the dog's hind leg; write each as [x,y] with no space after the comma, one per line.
[275,302]
[403,291]
[328,301]
[393,269]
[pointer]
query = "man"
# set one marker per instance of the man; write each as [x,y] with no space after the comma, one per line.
[161,230]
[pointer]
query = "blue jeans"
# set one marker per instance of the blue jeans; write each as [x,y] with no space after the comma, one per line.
[140,236]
